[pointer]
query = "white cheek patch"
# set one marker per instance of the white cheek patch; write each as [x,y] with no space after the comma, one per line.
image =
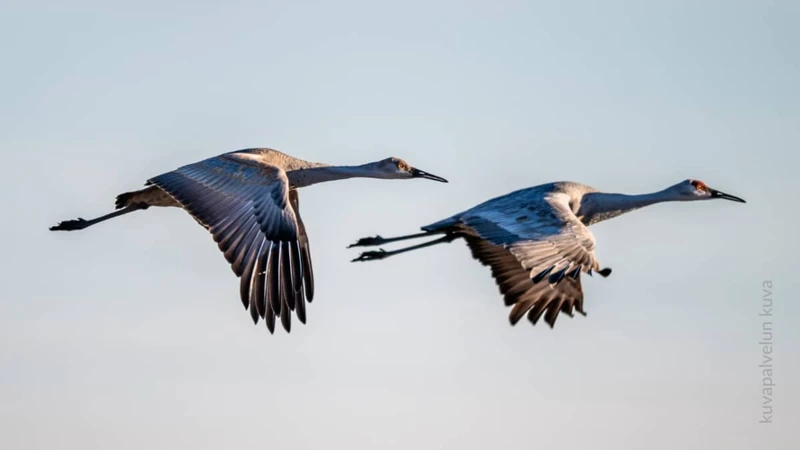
[704,194]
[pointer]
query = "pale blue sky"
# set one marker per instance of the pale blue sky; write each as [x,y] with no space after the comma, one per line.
[130,335]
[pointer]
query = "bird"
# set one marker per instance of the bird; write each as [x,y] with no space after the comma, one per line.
[247,199]
[537,241]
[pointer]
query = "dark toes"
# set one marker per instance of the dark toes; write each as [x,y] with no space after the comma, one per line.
[367,242]
[369,256]
[69,225]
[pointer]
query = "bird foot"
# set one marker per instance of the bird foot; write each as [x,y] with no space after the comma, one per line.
[371,256]
[368,242]
[70,225]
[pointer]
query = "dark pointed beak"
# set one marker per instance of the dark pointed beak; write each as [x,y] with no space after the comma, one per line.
[416,173]
[717,194]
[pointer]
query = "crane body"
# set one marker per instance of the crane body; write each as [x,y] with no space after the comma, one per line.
[537,241]
[248,201]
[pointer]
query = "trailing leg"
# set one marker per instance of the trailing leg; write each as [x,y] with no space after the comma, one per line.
[382,254]
[126,203]
[378,240]
[79,223]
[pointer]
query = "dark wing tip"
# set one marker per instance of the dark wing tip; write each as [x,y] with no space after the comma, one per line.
[254,314]
[269,318]
[286,318]
[552,314]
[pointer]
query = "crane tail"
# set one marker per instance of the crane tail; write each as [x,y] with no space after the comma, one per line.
[150,196]
[124,199]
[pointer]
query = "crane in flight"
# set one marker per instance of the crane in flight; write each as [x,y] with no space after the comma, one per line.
[248,201]
[537,241]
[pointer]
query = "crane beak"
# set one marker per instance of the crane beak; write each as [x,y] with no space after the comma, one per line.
[416,173]
[718,194]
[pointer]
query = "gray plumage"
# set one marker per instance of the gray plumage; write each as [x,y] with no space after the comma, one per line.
[248,201]
[537,241]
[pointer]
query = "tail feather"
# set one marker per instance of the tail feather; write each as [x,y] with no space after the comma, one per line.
[124,199]
[149,196]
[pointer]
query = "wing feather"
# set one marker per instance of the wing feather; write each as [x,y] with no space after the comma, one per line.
[253,216]
[536,251]
[259,279]
[304,253]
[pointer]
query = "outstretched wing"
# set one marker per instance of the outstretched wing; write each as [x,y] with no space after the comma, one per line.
[252,215]
[537,251]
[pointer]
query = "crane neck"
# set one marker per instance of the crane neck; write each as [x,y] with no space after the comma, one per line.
[598,206]
[322,173]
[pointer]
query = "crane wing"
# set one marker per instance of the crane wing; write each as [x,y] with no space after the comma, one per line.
[253,216]
[537,252]
[515,284]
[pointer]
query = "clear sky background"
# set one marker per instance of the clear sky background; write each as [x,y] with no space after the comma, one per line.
[131,335]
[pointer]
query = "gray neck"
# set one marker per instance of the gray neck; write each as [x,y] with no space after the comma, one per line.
[322,173]
[599,206]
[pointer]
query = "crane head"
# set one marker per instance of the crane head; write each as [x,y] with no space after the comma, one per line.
[396,168]
[698,190]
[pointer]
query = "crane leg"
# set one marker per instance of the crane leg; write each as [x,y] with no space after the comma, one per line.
[382,254]
[378,240]
[79,223]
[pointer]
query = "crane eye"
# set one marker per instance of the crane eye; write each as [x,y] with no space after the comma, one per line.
[402,166]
